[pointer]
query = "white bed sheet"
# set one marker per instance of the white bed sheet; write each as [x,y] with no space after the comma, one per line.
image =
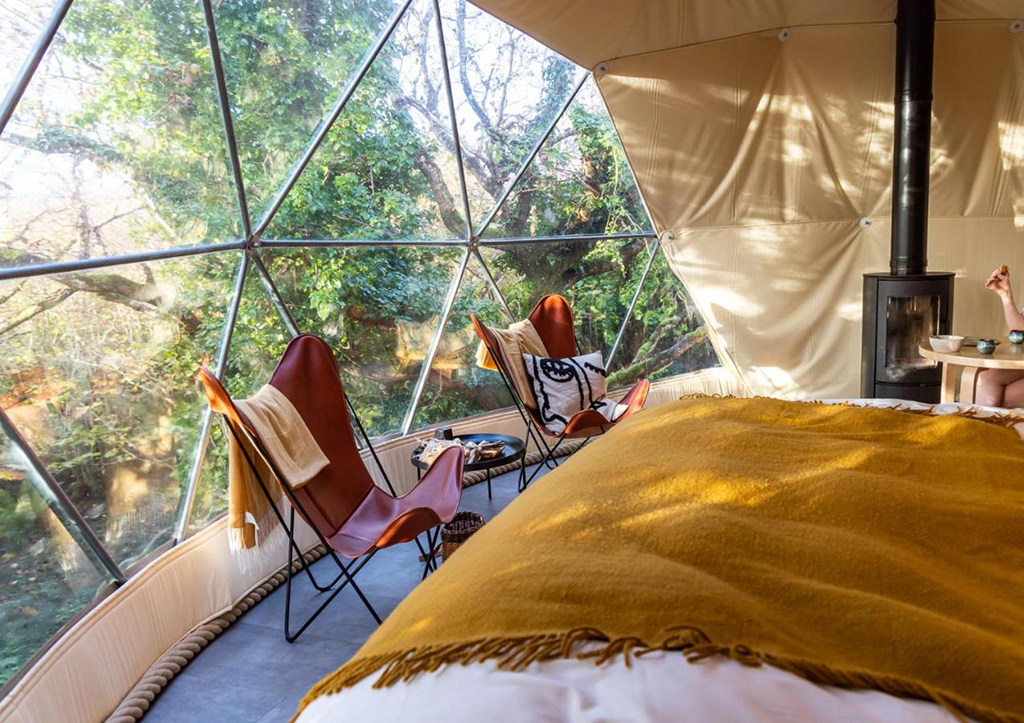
[658,687]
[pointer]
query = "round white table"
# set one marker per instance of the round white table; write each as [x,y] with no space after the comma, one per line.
[967,363]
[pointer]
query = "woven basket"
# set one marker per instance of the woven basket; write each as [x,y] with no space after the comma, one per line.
[457,531]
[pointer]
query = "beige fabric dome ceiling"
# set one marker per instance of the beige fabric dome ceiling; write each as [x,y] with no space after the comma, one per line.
[765,159]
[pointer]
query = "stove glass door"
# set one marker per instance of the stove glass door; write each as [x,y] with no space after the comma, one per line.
[909,321]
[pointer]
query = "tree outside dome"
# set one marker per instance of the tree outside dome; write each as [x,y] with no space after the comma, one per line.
[184,183]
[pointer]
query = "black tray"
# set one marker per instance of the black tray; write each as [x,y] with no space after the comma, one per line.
[515,448]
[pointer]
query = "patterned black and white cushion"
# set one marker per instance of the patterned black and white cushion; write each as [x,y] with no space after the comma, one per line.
[564,387]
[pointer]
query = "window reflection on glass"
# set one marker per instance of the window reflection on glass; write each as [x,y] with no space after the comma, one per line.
[456,386]
[665,334]
[46,578]
[97,374]
[909,321]
[579,182]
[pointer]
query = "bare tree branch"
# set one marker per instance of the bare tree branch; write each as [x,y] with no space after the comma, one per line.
[36,309]
[450,215]
[467,87]
[656,362]
[443,133]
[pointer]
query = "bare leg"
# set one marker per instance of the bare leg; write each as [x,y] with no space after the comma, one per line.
[1013,396]
[993,385]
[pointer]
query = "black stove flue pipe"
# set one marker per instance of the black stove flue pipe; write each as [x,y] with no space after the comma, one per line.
[915,40]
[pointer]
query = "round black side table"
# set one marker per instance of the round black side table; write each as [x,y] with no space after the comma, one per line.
[515,450]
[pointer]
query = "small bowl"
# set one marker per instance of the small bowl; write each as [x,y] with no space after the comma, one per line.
[986,346]
[1016,336]
[946,342]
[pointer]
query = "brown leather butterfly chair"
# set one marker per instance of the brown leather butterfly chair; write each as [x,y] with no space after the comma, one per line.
[350,515]
[552,318]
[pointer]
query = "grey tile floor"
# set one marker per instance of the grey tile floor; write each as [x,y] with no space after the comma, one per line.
[250,673]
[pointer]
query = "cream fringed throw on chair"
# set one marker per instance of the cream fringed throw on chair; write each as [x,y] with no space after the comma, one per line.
[251,521]
[520,338]
[870,548]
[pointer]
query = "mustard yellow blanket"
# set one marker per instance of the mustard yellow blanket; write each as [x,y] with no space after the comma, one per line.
[860,547]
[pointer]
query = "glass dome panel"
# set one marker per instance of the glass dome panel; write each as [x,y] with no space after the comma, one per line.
[579,182]
[117,145]
[286,64]
[507,89]
[387,168]
[97,373]
[378,308]
[258,340]
[665,334]
[456,386]
[46,576]
[21,22]
[211,496]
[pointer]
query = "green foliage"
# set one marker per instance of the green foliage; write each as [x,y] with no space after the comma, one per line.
[99,366]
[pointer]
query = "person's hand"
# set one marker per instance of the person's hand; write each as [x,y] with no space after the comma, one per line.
[999,282]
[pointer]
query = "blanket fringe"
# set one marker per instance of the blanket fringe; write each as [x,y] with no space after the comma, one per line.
[271,539]
[1009,420]
[517,653]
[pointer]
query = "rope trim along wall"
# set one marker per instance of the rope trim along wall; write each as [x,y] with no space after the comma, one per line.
[139,699]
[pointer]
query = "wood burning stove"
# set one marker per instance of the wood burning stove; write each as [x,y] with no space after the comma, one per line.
[900,313]
[904,307]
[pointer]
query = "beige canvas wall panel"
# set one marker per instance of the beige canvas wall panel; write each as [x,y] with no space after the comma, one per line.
[592,31]
[769,163]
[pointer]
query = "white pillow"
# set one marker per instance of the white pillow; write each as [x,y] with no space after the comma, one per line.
[564,387]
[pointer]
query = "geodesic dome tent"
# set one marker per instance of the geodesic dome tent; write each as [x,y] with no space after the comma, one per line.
[196,183]
[182,183]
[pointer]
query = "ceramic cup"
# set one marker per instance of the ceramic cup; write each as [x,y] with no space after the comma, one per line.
[986,346]
[1017,336]
[946,342]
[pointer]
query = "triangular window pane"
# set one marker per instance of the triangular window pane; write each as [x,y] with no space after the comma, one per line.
[47,576]
[579,182]
[665,335]
[378,309]
[117,145]
[387,168]
[507,88]
[457,387]
[597,277]
[286,64]
[97,373]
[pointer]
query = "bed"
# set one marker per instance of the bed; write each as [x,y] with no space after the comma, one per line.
[726,559]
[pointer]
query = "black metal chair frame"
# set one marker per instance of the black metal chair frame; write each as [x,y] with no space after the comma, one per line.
[348,572]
